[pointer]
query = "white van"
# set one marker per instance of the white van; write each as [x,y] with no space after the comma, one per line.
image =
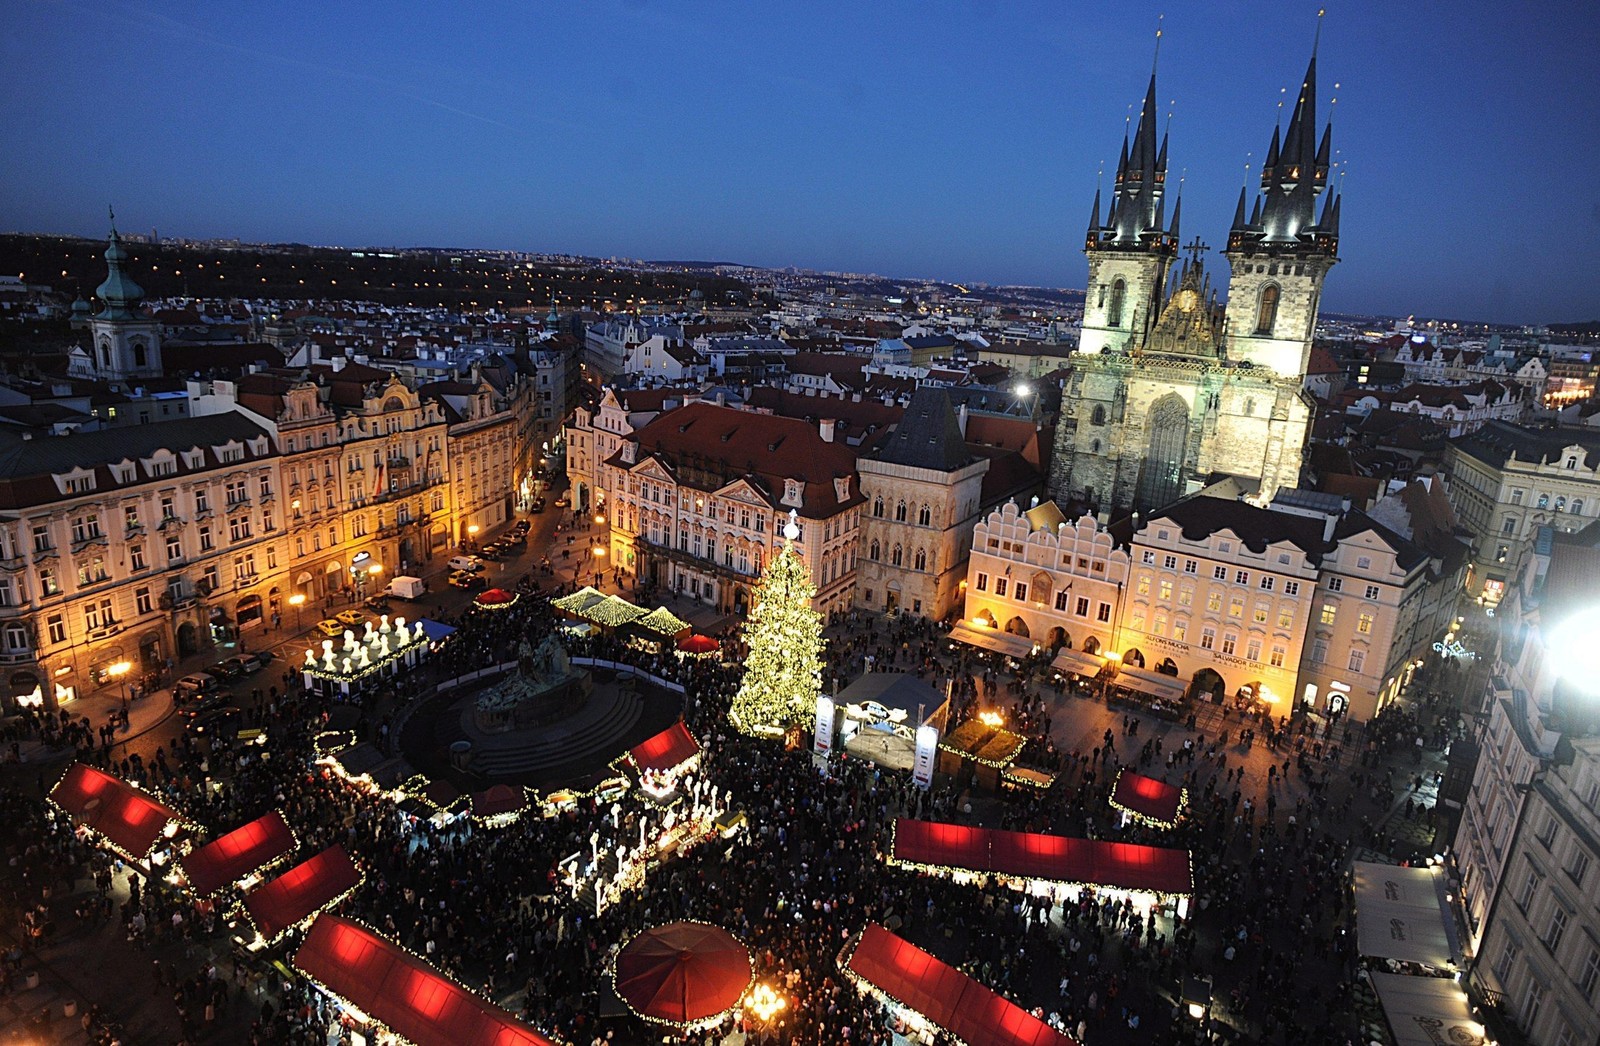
[472,563]
[403,587]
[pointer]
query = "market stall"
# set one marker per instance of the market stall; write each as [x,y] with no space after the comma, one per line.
[1147,800]
[685,974]
[1426,1011]
[246,851]
[377,980]
[981,748]
[130,821]
[927,993]
[1039,864]
[698,646]
[661,760]
[499,805]
[1402,914]
[657,630]
[495,599]
[298,895]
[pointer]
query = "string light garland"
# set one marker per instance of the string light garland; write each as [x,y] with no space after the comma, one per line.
[783,670]
[703,1023]
[180,821]
[1145,818]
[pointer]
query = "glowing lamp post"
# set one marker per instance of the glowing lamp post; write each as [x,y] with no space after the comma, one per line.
[764,1003]
[119,673]
[297,601]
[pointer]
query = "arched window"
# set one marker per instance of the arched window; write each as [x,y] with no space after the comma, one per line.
[900,512]
[897,556]
[138,355]
[921,561]
[1544,500]
[924,516]
[877,508]
[1267,311]
[1119,293]
[1577,506]
[1099,415]
[876,551]
[1094,446]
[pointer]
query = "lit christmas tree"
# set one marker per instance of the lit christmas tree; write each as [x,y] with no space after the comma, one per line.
[783,671]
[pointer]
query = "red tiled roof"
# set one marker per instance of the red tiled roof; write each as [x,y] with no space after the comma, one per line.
[671,748]
[1125,866]
[225,861]
[400,991]
[129,819]
[303,890]
[944,995]
[1147,796]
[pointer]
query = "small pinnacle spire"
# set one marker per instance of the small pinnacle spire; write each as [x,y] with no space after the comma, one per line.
[1238,212]
[1156,60]
[1255,213]
[1316,41]
[1094,216]
[112,213]
[1177,213]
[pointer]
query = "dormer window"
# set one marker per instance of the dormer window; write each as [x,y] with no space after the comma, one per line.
[841,488]
[793,492]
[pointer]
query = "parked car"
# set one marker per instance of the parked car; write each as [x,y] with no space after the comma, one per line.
[214,720]
[331,628]
[194,686]
[351,618]
[466,579]
[490,552]
[242,665]
[226,670]
[537,506]
[516,539]
[208,703]
[472,563]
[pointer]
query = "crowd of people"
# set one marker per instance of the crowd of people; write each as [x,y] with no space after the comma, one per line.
[489,907]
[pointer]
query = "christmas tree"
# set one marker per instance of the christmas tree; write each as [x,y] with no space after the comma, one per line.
[783,670]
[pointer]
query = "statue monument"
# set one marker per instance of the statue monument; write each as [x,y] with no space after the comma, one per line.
[544,687]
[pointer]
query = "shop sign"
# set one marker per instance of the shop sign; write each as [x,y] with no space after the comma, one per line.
[927,755]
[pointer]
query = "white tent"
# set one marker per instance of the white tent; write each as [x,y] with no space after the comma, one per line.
[1402,914]
[1425,1011]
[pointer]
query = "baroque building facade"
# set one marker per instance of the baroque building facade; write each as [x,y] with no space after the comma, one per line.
[1169,390]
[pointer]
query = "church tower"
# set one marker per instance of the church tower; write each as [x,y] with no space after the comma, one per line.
[1130,255]
[125,343]
[1281,254]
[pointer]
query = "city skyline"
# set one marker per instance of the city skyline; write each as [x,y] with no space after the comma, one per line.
[961,147]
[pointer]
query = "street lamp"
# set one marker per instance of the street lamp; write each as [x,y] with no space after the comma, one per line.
[119,673]
[297,601]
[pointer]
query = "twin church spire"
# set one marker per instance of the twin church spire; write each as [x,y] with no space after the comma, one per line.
[1136,220]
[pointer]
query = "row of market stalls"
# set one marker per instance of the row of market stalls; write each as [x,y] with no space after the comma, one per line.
[927,993]
[1109,668]
[1041,865]
[1407,938]
[651,630]
[369,654]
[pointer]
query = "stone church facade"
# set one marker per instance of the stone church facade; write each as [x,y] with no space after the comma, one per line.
[1170,390]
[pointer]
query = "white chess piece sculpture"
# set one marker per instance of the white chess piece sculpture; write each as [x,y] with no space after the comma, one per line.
[327,654]
[385,619]
[311,658]
[349,639]
[366,636]
[364,658]
[419,635]
[383,645]
[347,668]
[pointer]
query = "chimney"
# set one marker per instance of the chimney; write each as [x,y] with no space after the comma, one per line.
[337,362]
[825,427]
[961,419]
[1328,525]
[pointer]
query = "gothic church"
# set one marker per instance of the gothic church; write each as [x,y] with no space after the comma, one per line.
[1170,391]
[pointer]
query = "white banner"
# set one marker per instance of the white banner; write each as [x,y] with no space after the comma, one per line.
[822,744]
[927,755]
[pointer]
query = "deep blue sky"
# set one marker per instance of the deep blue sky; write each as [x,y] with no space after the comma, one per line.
[951,140]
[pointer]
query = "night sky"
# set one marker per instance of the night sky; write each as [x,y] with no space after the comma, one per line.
[950,140]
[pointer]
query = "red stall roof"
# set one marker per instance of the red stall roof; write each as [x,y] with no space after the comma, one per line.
[944,995]
[1147,797]
[132,821]
[220,864]
[302,891]
[671,748]
[1031,855]
[403,993]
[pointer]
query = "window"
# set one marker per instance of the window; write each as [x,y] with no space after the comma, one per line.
[1166,590]
[1291,588]
[1508,526]
[1589,977]
[85,527]
[1577,506]
[174,548]
[1081,608]
[1267,581]
[1358,659]
[983,579]
[235,491]
[1143,587]
[136,557]
[1336,584]
[92,571]
[130,516]
[1180,630]
[1252,650]
[1241,577]
[56,628]
[1578,867]
[1507,961]
[1236,607]
[877,507]
[1267,309]
[1159,625]
[1190,566]
[1021,595]
[1319,651]
[239,528]
[1103,612]
[1208,638]
[1186,596]
[1544,500]
[1276,660]
[41,537]
[202,500]
[1329,612]
[205,539]
[1532,1002]
[924,516]
[1529,886]
[1061,602]
[896,554]
[1516,497]
[1285,618]
[1119,293]
[1364,623]
[899,513]
[1373,592]
[1219,573]
[1363,562]
[1137,624]
[1260,613]
[1214,602]
[1229,641]
[875,551]
[1169,562]
[1148,557]
[1000,586]
[265,483]
[141,600]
